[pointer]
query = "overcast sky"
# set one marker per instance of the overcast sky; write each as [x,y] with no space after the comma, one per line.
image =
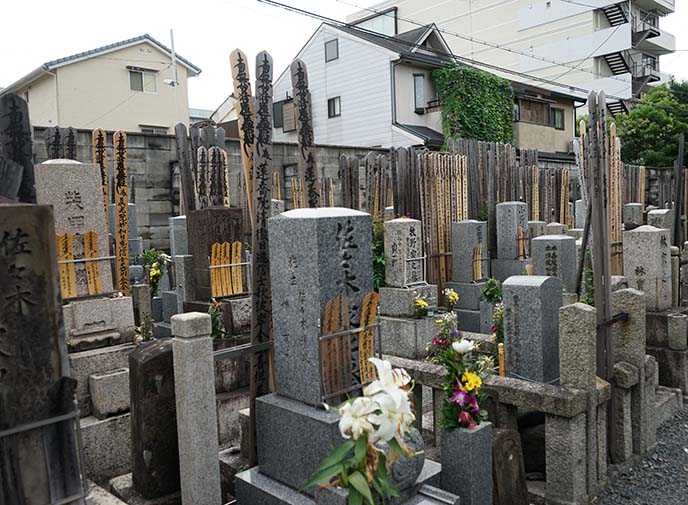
[205,32]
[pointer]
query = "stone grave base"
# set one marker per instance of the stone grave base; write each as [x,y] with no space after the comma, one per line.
[99,496]
[123,488]
[156,308]
[107,446]
[486,313]
[503,269]
[673,367]
[169,305]
[162,329]
[398,302]
[231,463]
[405,337]
[469,320]
[228,406]
[98,322]
[469,294]
[657,326]
[255,488]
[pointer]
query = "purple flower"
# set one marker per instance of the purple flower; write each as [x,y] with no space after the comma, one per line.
[460,397]
[454,332]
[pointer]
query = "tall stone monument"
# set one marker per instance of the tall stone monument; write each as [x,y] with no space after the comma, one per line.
[647,264]
[512,235]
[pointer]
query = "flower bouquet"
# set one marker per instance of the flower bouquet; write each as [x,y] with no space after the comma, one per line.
[382,415]
[420,307]
[451,298]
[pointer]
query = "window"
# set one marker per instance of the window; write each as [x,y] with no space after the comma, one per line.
[534,112]
[556,117]
[517,111]
[384,22]
[158,130]
[419,93]
[334,107]
[650,61]
[143,80]
[288,116]
[277,115]
[331,50]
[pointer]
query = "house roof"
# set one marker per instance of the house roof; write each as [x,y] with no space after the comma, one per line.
[67,60]
[430,137]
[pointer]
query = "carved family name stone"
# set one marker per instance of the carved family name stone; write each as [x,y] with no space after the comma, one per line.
[511,216]
[40,465]
[74,191]
[555,256]
[16,145]
[468,238]
[404,248]
[332,257]
[647,264]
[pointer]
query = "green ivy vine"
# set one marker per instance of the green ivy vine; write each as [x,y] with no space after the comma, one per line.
[475,104]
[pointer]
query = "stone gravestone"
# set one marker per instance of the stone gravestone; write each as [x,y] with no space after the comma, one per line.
[661,218]
[154,447]
[555,256]
[332,257]
[38,465]
[470,265]
[531,327]
[179,245]
[73,189]
[511,217]
[647,264]
[403,268]
[205,228]
[555,229]
[580,214]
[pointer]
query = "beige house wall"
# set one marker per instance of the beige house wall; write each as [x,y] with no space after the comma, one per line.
[546,138]
[94,93]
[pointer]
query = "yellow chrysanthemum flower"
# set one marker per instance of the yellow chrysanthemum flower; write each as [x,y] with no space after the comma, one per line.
[471,381]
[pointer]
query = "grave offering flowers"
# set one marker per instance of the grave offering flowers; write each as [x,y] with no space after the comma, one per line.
[465,373]
[498,323]
[451,298]
[382,414]
[447,333]
[420,306]
[154,260]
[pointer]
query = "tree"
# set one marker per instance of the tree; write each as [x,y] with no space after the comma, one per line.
[649,132]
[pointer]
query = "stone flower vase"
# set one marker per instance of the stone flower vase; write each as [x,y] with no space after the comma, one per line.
[404,473]
[466,457]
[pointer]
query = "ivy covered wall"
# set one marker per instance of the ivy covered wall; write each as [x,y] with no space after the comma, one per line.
[475,104]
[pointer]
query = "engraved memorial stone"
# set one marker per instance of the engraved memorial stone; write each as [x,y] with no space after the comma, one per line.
[647,264]
[510,216]
[531,327]
[332,257]
[39,465]
[403,250]
[466,236]
[555,256]
[632,215]
[74,191]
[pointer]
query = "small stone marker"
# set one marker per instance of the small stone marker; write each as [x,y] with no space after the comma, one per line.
[661,218]
[632,215]
[531,327]
[332,257]
[508,470]
[555,229]
[580,214]
[74,191]
[194,380]
[536,228]
[511,216]
[647,264]
[555,256]
[403,244]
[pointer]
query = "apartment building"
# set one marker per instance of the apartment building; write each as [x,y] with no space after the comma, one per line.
[574,44]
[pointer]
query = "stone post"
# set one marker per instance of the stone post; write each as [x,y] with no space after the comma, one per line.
[183,276]
[580,214]
[565,449]
[632,215]
[196,409]
[141,298]
[661,218]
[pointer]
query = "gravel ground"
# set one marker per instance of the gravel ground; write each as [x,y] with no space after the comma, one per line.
[661,478]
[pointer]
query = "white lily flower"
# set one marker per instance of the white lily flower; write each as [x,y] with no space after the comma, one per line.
[463,346]
[355,415]
[392,419]
[389,380]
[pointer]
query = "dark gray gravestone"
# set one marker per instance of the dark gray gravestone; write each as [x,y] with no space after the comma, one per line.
[220,135]
[70,141]
[204,228]
[54,143]
[154,443]
[16,143]
[40,465]
[308,169]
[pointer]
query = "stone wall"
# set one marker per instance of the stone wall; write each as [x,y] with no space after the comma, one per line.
[153,161]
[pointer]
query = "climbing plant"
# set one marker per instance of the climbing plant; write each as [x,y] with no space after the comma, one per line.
[475,104]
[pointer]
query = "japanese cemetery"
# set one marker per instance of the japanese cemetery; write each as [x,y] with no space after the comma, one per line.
[399,326]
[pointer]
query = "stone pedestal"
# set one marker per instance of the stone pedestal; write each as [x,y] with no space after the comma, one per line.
[503,269]
[466,457]
[406,337]
[97,322]
[398,302]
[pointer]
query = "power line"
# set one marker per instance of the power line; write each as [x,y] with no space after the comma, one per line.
[589,55]
[450,55]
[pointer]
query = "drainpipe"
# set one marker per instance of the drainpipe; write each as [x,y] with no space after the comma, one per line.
[57,95]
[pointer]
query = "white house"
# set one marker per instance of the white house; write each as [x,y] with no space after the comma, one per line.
[367,90]
[589,44]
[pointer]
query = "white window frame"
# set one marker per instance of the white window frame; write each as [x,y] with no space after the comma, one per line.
[419,109]
[336,107]
[143,80]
